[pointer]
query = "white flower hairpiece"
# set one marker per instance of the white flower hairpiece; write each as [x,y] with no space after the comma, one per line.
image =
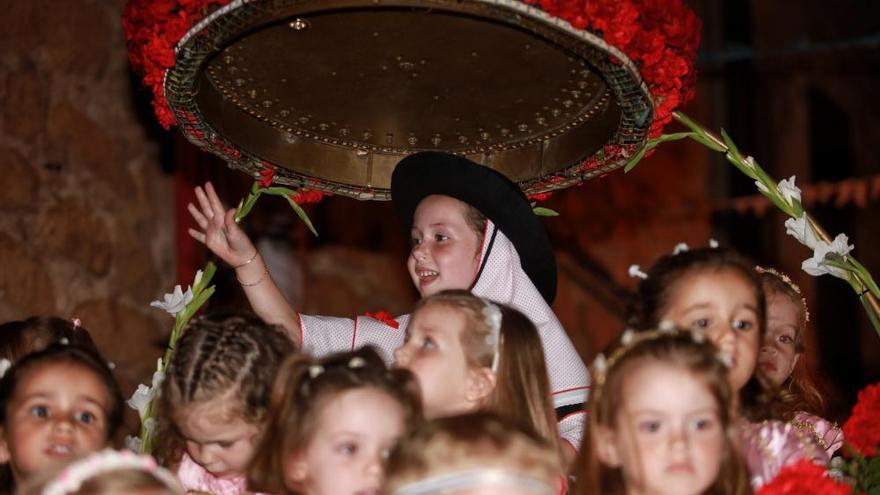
[713,244]
[315,371]
[356,362]
[635,271]
[492,317]
[5,364]
[72,477]
[681,247]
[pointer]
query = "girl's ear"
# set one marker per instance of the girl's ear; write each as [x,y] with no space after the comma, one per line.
[5,455]
[605,443]
[480,385]
[295,470]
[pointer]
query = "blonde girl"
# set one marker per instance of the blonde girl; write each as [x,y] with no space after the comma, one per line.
[662,420]
[470,354]
[332,423]
[214,400]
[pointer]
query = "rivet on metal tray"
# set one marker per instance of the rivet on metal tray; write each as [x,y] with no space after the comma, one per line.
[303,120]
[389,138]
[322,126]
[523,127]
[462,139]
[505,131]
[239,82]
[484,136]
[366,135]
[267,103]
[228,59]
[343,131]
[284,113]
[567,103]
[575,94]
[541,121]
[252,93]
[412,140]
[299,24]
[290,138]
[555,112]
[435,140]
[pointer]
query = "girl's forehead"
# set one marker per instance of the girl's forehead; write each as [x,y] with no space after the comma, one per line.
[438,205]
[711,285]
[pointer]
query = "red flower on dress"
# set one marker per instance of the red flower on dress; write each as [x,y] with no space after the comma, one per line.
[385,317]
[862,429]
[266,176]
[804,478]
[308,196]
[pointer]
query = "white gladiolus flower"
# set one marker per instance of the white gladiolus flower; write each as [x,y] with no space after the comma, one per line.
[5,364]
[761,187]
[174,302]
[133,444]
[140,400]
[789,191]
[199,274]
[816,265]
[800,229]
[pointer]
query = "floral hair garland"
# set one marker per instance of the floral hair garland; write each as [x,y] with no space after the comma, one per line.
[74,475]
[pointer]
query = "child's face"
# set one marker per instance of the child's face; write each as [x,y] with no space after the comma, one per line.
[724,306]
[58,412]
[669,438]
[219,442]
[346,454]
[445,253]
[434,354]
[778,355]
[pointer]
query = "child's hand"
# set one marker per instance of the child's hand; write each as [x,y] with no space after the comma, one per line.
[219,232]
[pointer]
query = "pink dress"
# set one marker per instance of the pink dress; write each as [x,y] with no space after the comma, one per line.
[771,445]
[194,478]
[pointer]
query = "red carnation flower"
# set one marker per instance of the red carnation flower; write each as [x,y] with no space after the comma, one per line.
[267,175]
[385,317]
[862,429]
[804,478]
[305,197]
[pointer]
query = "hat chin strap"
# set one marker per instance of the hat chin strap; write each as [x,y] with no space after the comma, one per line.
[486,251]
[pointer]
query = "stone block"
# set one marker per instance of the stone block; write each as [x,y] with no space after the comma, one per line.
[72,230]
[18,182]
[24,280]
[24,104]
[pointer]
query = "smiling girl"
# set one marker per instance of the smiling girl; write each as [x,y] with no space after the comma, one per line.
[471,229]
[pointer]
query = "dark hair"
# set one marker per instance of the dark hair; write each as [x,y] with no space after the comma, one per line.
[218,354]
[476,221]
[299,395]
[21,337]
[652,294]
[680,350]
[84,357]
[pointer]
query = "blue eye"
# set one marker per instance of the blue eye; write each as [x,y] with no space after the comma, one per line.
[347,449]
[40,412]
[742,325]
[703,424]
[86,417]
[428,343]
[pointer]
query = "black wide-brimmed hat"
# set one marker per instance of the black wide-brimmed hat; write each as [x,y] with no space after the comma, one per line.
[427,173]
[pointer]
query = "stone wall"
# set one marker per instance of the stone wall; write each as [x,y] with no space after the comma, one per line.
[86,213]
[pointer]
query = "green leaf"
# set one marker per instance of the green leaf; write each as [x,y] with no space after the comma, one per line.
[708,142]
[635,159]
[302,215]
[731,148]
[865,276]
[248,205]
[280,191]
[544,212]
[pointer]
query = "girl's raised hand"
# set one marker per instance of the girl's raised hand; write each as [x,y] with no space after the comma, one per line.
[218,230]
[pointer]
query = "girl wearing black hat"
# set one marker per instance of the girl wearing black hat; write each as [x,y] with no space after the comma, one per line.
[472,228]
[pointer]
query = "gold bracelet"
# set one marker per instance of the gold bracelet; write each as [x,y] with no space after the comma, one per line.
[251,284]
[248,262]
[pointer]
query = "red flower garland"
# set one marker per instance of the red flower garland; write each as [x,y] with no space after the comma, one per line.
[266,175]
[804,478]
[152,28]
[308,196]
[660,36]
[862,429]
